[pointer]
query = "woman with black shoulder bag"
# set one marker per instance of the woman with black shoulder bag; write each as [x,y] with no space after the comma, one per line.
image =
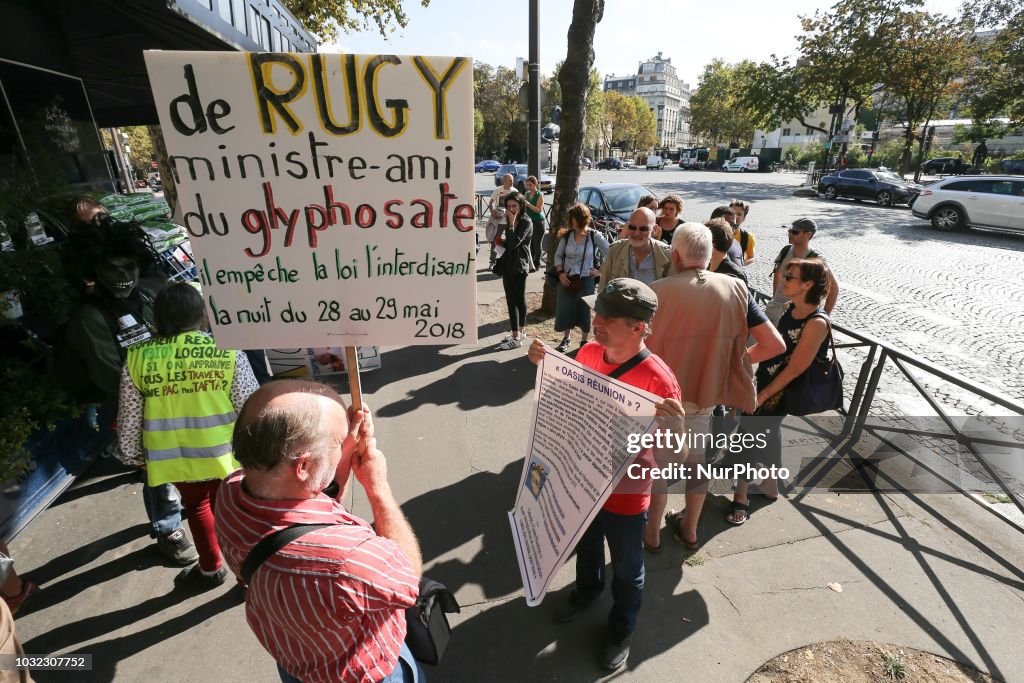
[514,265]
[577,265]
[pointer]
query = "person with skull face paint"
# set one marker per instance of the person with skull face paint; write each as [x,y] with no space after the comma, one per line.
[115,315]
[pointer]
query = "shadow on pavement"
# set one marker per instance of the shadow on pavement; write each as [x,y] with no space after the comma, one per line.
[107,653]
[470,386]
[441,524]
[86,554]
[539,649]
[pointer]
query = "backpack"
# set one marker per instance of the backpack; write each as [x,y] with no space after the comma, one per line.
[782,256]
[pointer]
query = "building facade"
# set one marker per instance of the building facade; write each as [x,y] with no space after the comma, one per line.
[658,84]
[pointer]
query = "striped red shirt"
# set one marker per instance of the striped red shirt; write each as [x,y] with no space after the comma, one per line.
[330,606]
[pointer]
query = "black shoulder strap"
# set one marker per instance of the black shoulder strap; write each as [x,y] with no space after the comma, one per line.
[271,543]
[630,364]
[744,240]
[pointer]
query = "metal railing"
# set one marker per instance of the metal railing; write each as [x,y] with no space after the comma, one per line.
[880,354]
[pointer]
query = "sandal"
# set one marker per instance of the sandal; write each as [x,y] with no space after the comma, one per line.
[673,520]
[738,507]
[652,549]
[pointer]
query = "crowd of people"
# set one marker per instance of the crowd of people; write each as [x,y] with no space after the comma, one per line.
[252,468]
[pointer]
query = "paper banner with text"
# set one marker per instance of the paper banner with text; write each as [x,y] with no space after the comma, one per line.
[329,197]
[576,457]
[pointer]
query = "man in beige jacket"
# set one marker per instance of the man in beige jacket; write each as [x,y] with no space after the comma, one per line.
[701,330]
[638,255]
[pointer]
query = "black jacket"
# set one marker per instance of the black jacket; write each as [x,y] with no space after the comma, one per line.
[516,241]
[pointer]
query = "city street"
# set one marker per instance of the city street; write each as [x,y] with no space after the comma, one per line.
[956,300]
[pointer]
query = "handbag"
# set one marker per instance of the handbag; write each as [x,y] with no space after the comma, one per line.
[427,630]
[575,284]
[819,387]
[498,267]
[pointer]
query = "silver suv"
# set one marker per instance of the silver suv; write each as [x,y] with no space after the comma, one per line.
[985,201]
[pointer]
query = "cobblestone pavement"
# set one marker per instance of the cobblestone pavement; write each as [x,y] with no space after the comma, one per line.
[955,300]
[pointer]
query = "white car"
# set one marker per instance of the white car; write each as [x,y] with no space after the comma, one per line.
[628,163]
[655,161]
[742,164]
[984,201]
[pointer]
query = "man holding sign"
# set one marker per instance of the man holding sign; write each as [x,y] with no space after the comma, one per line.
[623,311]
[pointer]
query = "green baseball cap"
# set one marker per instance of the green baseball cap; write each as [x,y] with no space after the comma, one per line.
[624,298]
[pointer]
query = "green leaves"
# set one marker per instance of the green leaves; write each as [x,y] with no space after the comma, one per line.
[325,17]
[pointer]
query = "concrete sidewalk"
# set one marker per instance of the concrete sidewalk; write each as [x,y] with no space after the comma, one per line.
[936,572]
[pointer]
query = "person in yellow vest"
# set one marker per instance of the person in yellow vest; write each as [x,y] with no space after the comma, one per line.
[179,398]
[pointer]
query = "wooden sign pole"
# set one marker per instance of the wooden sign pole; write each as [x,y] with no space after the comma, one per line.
[355,387]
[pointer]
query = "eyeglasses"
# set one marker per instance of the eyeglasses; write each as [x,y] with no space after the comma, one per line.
[641,228]
[787,277]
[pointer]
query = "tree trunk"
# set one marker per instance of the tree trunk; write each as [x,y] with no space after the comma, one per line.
[574,78]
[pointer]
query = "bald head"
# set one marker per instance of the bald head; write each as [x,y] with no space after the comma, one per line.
[642,216]
[284,419]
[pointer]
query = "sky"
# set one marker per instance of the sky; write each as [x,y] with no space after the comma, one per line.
[690,32]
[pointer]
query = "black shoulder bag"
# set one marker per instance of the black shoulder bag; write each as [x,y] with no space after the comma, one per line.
[820,386]
[427,629]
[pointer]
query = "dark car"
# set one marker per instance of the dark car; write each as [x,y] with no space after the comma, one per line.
[609,164]
[520,174]
[612,200]
[883,187]
[1012,166]
[487,166]
[946,166]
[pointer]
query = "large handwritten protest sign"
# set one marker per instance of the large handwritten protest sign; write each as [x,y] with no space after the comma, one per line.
[577,456]
[329,196]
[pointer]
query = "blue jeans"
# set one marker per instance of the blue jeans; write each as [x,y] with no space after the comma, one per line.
[625,535]
[407,671]
[163,507]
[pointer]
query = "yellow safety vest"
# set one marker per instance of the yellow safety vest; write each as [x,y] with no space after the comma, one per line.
[187,413]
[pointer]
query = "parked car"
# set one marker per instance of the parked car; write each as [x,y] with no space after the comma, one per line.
[885,188]
[1012,166]
[612,201]
[946,166]
[742,164]
[487,166]
[520,174]
[655,161]
[986,201]
[586,162]
[628,163]
[609,164]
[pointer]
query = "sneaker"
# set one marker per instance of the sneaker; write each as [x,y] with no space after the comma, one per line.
[176,547]
[195,576]
[16,602]
[572,607]
[616,652]
[510,344]
[563,345]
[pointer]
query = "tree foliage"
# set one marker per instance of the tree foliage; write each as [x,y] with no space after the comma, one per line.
[717,111]
[324,18]
[997,83]
[496,100]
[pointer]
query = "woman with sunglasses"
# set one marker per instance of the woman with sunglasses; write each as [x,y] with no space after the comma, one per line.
[806,334]
[638,255]
[516,265]
[577,263]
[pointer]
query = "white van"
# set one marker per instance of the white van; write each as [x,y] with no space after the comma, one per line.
[655,161]
[742,164]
